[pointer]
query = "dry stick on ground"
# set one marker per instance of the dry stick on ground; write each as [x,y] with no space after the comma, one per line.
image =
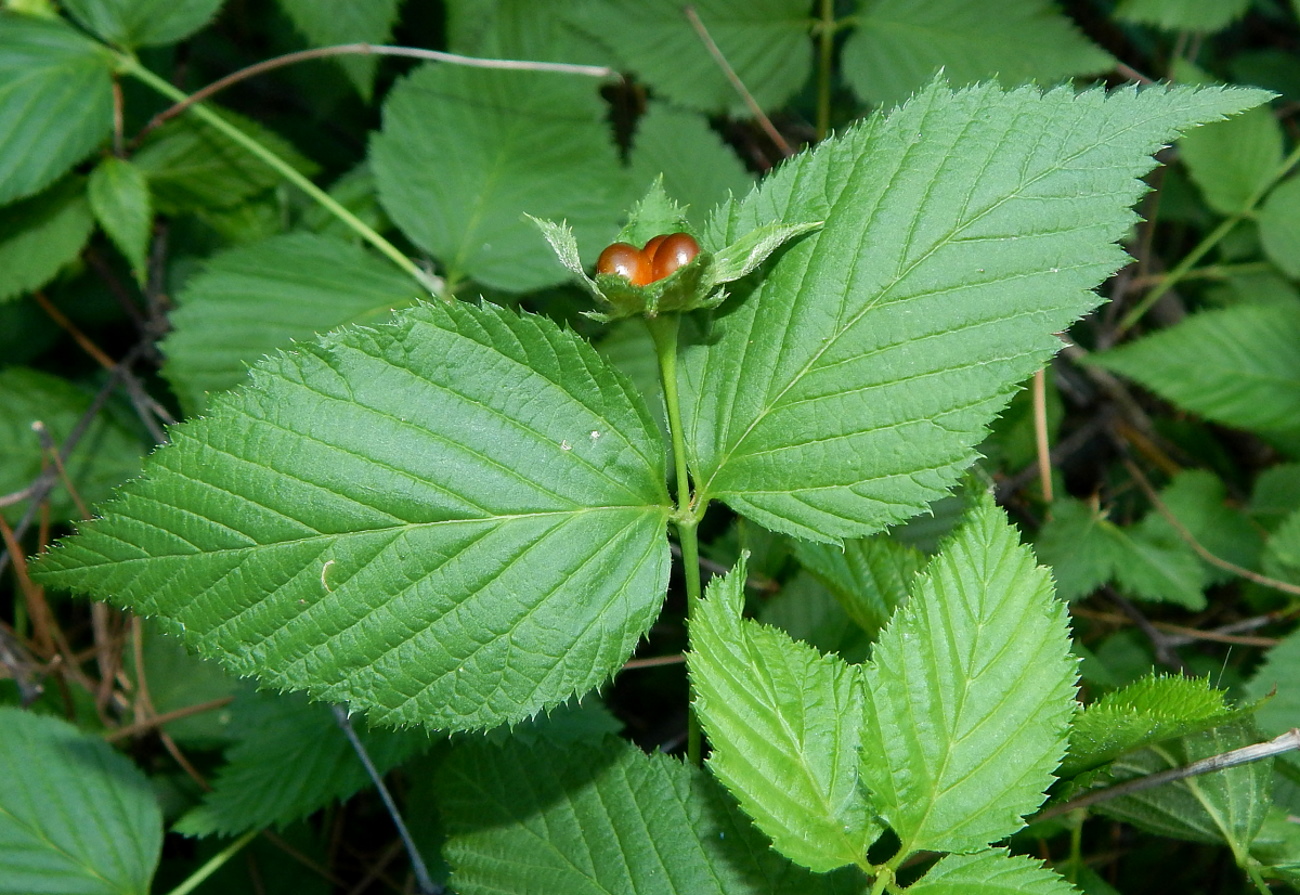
[759,115]
[157,720]
[1287,742]
[1040,435]
[1181,635]
[1164,649]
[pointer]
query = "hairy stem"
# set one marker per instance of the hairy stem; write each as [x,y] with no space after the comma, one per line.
[288,172]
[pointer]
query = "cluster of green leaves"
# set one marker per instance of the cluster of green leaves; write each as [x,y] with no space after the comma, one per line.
[452,515]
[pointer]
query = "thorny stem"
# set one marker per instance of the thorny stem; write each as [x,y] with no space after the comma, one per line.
[664,330]
[433,284]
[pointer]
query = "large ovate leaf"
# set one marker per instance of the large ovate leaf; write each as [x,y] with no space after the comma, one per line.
[465,152]
[784,722]
[1234,366]
[253,299]
[898,45]
[849,388]
[56,101]
[969,694]
[766,42]
[456,520]
[326,22]
[992,872]
[42,235]
[604,820]
[143,23]
[75,816]
[291,759]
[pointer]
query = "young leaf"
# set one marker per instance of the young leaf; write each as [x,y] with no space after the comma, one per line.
[41,235]
[119,196]
[898,46]
[75,816]
[143,23]
[326,22]
[785,724]
[1234,366]
[969,693]
[992,872]
[849,388]
[255,298]
[1221,807]
[456,520]
[56,101]
[608,820]
[291,759]
[869,576]
[465,151]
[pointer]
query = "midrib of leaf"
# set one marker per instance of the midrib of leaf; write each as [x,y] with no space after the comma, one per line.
[39,835]
[843,327]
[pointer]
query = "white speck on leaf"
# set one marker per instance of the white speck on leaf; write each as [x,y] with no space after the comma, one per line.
[324,573]
[594,435]
[565,446]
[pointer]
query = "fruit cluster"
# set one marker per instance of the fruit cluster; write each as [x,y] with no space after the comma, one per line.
[661,256]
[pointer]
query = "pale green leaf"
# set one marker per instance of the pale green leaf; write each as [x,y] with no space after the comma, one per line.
[455,519]
[178,679]
[585,820]
[699,170]
[107,454]
[119,196]
[1279,678]
[1153,709]
[808,611]
[326,22]
[785,723]
[193,166]
[992,872]
[1235,366]
[1161,567]
[291,759]
[1082,546]
[143,23]
[898,46]
[627,345]
[1198,499]
[1279,227]
[78,818]
[1221,807]
[521,29]
[969,694]
[1183,15]
[869,576]
[253,299]
[465,153]
[848,389]
[1230,161]
[42,235]
[766,42]
[56,101]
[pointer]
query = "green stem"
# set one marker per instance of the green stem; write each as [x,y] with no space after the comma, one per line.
[133,67]
[213,865]
[664,330]
[825,45]
[1214,238]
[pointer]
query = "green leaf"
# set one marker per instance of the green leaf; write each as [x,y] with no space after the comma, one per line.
[1154,709]
[1198,499]
[765,42]
[42,235]
[869,576]
[326,22]
[255,298]
[848,389]
[969,694]
[992,872]
[1277,846]
[1279,227]
[456,520]
[1282,552]
[785,724]
[178,679]
[1182,15]
[1235,366]
[699,170]
[1278,677]
[78,818]
[808,611]
[464,153]
[1221,807]
[106,455]
[143,23]
[575,818]
[56,102]
[119,196]
[1231,161]
[291,759]
[898,46]
[192,166]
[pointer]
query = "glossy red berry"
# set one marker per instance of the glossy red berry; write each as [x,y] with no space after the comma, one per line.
[676,250]
[653,246]
[627,261]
